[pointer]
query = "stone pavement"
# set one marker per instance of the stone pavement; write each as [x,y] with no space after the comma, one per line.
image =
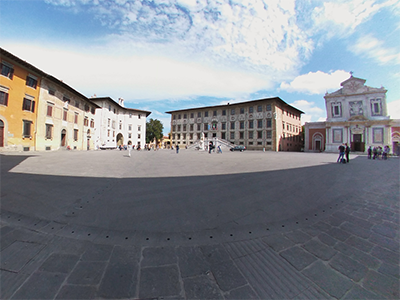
[161,225]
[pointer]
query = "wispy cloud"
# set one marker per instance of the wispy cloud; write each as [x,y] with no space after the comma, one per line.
[373,48]
[316,82]
[312,112]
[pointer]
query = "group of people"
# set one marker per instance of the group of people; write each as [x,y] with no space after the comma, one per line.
[212,147]
[378,152]
[344,149]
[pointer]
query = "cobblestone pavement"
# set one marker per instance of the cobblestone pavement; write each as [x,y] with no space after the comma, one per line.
[252,225]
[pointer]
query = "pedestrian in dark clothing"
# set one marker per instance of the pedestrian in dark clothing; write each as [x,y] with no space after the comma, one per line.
[347,151]
[341,153]
[375,152]
[369,151]
[177,149]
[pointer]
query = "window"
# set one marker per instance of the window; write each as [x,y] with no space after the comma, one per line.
[283,125]
[93,110]
[259,123]
[259,134]
[206,114]
[184,136]
[7,70]
[86,121]
[199,114]
[184,127]
[269,134]
[87,108]
[251,124]
[179,127]
[129,135]
[75,134]
[130,115]
[224,112]
[251,135]
[179,117]
[241,135]
[269,123]
[139,128]
[268,107]
[259,108]
[205,126]
[91,123]
[223,135]
[336,110]
[214,113]
[198,127]
[76,104]
[31,81]
[241,110]
[139,116]
[223,126]
[76,118]
[251,109]
[52,92]
[120,126]
[109,107]
[241,126]
[49,109]
[65,114]
[232,125]
[191,136]
[27,129]
[28,104]
[130,127]
[138,136]
[376,107]
[3,98]
[191,127]
[173,127]
[184,116]
[233,111]
[66,99]
[49,131]
[174,117]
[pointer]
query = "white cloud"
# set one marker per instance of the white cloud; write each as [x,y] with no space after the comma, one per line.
[311,111]
[315,82]
[394,109]
[144,77]
[373,48]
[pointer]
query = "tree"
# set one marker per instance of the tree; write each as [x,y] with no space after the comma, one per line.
[154,129]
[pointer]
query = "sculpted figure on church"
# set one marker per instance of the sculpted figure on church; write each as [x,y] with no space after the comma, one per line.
[356,108]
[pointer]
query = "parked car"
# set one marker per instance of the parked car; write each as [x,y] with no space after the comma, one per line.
[238,148]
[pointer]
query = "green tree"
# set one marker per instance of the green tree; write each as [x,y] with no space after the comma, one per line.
[154,129]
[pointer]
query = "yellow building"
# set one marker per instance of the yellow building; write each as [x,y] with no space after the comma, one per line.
[19,93]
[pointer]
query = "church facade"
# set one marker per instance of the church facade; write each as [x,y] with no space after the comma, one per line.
[356,115]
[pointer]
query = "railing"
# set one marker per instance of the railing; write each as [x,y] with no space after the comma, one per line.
[216,142]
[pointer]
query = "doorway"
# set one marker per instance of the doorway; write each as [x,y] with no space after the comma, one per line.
[357,145]
[63,138]
[1,133]
[120,139]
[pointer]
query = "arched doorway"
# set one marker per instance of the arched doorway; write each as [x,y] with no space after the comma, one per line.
[318,142]
[120,139]
[1,133]
[63,138]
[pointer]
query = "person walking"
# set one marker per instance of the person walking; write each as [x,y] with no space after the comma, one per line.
[375,152]
[369,151]
[347,151]
[210,147]
[177,149]
[129,148]
[341,153]
[219,150]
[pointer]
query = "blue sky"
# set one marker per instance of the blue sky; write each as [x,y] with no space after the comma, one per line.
[164,55]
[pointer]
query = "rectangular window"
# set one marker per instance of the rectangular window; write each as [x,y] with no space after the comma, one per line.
[65,115]
[259,123]
[185,116]
[269,108]
[233,111]
[184,127]
[241,135]
[75,134]
[223,135]
[26,129]
[377,135]
[173,128]
[76,118]
[138,136]
[191,115]
[206,114]
[49,110]
[49,131]
[241,126]
[130,127]
[139,128]
[179,128]
[223,126]
[179,117]
[3,98]
[214,113]
[269,123]
[108,133]
[199,114]
[198,127]
[205,126]
[336,110]
[269,134]
[191,127]
[174,117]
[232,125]
[31,81]
[28,105]
[251,135]
[232,136]
[259,134]
[259,108]
[91,123]
[129,135]
[7,70]
[251,109]
[86,121]
[184,136]
[251,124]
[139,116]
[241,110]
[224,112]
